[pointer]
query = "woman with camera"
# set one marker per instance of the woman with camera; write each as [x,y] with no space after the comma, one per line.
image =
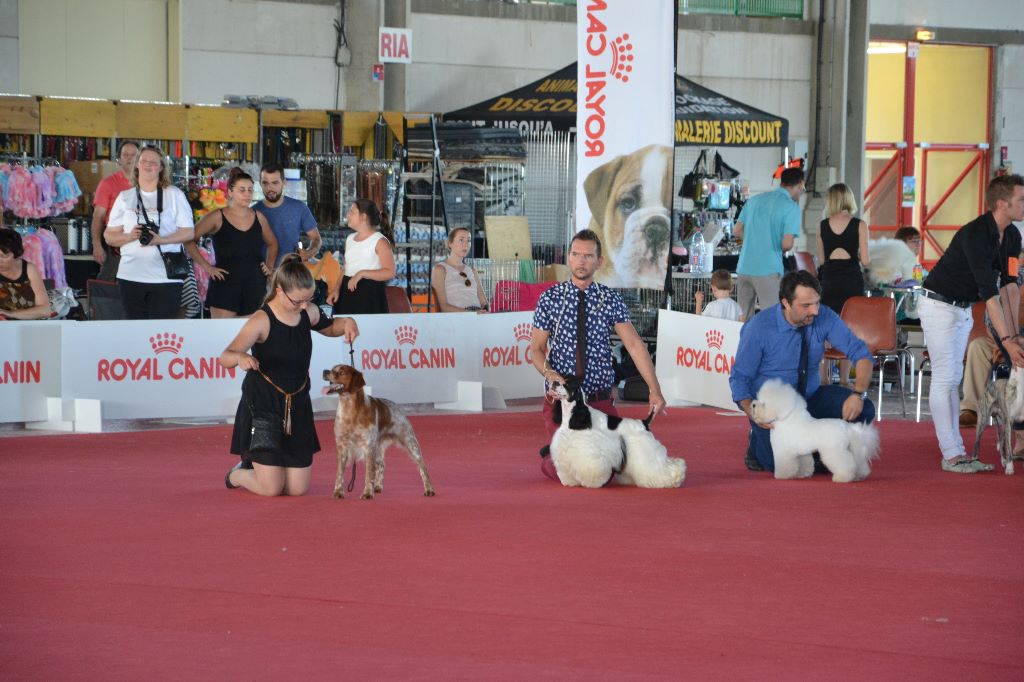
[148,222]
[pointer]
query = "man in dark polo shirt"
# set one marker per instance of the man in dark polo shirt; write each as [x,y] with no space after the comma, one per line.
[981,263]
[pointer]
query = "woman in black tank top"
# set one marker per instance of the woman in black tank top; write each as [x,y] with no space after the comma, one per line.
[274,348]
[842,250]
[244,248]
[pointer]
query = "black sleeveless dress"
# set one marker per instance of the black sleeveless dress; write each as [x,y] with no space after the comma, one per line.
[284,357]
[840,278]
[240,253]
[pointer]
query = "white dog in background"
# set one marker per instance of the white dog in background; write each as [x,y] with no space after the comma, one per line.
[891,261]
[590,447]
[845,448]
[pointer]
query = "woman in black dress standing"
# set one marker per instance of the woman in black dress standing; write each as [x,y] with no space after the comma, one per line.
[238,282]
[842,250]
[277,382]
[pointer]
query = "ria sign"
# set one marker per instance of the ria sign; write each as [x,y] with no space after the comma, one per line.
[394,45]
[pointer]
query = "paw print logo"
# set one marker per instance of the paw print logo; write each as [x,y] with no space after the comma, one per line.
[714,339]
[166,343]
[406,334]
[622,58]
[522,331]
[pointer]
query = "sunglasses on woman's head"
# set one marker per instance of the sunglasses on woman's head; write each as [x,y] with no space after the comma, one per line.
[465,277]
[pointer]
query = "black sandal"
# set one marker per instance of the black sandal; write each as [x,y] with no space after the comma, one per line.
[227,477]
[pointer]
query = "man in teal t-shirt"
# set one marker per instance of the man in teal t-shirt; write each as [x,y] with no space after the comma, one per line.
[768,224]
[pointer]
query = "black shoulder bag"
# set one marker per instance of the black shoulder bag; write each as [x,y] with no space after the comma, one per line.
[176,263]
[693,179]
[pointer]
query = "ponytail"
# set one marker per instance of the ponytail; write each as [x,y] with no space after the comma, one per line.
[290,275]
[377,218]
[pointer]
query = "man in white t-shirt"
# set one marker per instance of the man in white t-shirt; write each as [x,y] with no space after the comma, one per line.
[723,307]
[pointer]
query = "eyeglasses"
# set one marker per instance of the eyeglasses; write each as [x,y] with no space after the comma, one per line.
[466,278]
[295,303]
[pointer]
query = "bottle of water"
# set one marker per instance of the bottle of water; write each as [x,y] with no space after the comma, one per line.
[697,252]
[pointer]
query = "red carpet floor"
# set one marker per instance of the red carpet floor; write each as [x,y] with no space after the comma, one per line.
[123,557]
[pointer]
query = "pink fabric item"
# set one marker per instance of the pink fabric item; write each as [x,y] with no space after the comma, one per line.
[21,193]
[44,193]
[52,257]
[517,296]
[203,279]
[33,245]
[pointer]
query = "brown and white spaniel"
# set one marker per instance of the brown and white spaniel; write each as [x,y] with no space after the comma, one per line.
[364,427]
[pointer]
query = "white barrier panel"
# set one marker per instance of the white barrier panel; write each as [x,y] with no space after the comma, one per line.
[30,368]
[411,358]
[503,350]
[170,368]
[152,368]
[695,358]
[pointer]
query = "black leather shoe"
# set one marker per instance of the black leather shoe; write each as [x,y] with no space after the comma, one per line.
[751,462]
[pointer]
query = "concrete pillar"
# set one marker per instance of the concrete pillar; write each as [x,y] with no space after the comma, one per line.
[360,91]
[396,15]
[838,92]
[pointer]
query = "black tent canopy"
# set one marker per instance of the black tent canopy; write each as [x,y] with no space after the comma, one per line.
[703,117]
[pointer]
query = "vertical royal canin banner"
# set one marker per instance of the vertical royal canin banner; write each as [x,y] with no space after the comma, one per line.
[625,120]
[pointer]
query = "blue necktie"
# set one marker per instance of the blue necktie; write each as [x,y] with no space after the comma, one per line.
[801,370]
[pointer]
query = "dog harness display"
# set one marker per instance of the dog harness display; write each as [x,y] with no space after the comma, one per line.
[287,421]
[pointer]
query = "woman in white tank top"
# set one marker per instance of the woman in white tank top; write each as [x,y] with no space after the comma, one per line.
[456,285]
[368,265]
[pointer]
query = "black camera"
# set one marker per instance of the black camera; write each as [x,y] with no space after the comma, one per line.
[149,230]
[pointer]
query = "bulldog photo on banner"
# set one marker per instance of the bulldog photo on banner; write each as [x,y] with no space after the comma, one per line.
[625,121]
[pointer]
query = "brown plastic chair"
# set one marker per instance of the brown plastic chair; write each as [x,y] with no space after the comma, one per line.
[398,301]
[978,328]
[873,320]
[805,261]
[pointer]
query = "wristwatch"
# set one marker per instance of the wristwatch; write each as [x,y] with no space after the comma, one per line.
[863,395]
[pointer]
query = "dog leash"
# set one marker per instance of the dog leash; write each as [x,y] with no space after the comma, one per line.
[352,361]
[287,422]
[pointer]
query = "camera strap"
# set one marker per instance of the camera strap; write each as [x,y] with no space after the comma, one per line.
[159,205]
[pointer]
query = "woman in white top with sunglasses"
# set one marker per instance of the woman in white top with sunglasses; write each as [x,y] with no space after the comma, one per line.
[455,284]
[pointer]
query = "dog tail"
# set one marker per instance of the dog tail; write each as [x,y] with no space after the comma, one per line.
[865,445]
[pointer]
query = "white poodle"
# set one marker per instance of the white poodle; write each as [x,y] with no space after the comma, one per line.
[845,448]
[891,261]
[590,447]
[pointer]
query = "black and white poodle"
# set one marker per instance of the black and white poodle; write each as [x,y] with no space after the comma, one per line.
[590,447]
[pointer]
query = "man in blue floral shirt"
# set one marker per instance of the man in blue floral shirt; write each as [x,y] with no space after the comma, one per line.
[554,342]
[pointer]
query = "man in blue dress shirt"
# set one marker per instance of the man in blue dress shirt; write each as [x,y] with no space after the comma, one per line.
[770,346]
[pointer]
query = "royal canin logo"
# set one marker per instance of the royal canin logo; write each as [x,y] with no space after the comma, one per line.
[622,57]
[183,368]
[408,358]
[406,334]
[709,359]
[513,355]
[166,343]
